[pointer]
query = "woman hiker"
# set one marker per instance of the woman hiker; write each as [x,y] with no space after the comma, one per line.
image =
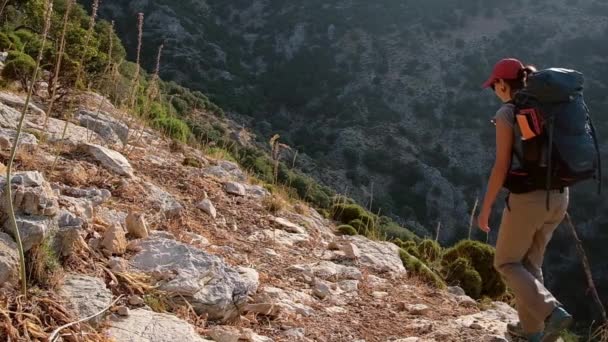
[526,226]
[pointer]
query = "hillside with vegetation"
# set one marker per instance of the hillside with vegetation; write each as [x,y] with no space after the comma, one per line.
[382,101]
[135,210]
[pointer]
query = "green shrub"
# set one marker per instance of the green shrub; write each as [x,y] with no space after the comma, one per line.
[394,231]
[420,269]
[480,257]
[16,43]
[173,127]
[461,273]
[429,250]
[348,212]
[325,213]
[345,229]
[361,227]
[31,43]
[19,67]
[5,42]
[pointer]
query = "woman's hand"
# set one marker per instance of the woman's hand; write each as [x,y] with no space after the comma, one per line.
[482,220]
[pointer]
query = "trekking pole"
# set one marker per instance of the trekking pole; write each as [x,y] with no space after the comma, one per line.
[587,268]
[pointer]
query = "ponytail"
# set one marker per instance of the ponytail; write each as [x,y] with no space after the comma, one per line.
[522,76]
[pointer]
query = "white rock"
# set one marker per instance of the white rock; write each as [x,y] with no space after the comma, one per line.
[380,256]
[224,334]
[32,195]
[148,326]
[202,279]
[110,159]
[26,140]
[18,101]
[278,236]
[136,225]
[195,239]
[9,260]
[226,170]
[164,201]
[350,250]
[257,191]
[320,289]
[114,240]
[349,285]
[249,335]
[289,226]
[122,311]
[466,301]
[251,277]
[75,134]
[418,309]
[206,206]
[32,229]
[290,301]
[379,294]
[456,290]
[235,188]
[108,128]
[86,296]
[136,300]
[118,264]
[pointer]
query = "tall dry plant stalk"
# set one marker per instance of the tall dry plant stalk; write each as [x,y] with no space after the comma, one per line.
[587,268]
[152,93]
[275,151]
[79,73]
[55,79]
[3,7]
[135,81]
[471,219]
[48,7]
[105,75]
[437,231]
[371,198]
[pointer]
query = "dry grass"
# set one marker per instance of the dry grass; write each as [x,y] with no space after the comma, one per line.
[274,203]
[601,334]
[33,319]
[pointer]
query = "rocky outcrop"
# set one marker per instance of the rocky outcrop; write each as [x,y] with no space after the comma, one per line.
[207,283]
[148,326]
[110,159]
[86,296]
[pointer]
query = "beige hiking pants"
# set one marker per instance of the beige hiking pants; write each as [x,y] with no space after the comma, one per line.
[525,231]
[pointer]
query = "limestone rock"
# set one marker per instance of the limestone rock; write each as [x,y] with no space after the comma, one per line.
[148,326]
[9,260]
[114,240]
[235,188]
[110,159]
[206,206]
[86,295]
[136,226]
[204,280]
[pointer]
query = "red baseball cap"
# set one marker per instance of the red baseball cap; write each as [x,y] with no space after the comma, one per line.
[506,69]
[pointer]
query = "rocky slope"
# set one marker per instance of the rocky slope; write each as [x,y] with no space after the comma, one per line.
[383,100]
[182,253]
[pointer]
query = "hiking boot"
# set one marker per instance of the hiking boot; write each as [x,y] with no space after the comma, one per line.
[558,321]
[516,330]
[538,337]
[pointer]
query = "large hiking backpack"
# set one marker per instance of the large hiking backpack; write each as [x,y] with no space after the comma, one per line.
[555,142]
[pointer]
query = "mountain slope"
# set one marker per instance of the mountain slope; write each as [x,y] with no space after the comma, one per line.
[382,101]
[183,269]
